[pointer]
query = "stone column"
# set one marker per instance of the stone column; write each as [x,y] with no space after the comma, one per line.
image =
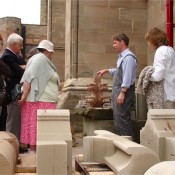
[71,39]
[43,13]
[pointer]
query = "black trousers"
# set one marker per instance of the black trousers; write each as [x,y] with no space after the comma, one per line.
[3,117]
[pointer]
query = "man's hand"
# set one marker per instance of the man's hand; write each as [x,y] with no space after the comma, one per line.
[23,66]
[102,72]
[121,98]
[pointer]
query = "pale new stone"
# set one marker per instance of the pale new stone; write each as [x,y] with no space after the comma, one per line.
[169,150]
[7,161]
[162,168]
[122,155]
[158,133]
[54,126]
[51,157]
[11,138]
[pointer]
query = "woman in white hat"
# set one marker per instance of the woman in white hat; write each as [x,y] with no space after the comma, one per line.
[40,91]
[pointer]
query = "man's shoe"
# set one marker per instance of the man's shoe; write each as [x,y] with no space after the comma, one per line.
[23,150]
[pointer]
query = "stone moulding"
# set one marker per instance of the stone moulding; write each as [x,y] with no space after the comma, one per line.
[159,133]
[55,140]
[122,155]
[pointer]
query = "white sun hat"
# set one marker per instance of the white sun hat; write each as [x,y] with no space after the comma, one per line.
[46,44]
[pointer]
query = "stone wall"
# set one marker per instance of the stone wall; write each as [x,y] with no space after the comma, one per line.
[9,25]
[96,22]
[43,12]
[32,34]
[56,33]
[156,17]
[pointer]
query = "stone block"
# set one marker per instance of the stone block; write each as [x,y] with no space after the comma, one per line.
[7,161]
[122,155]
[101,3]
[169,148]
[52,158]
[91,36]
[105,12]
[54,125]
[158,133]
[118,25]
[104,59]
[11,138]
[86,47]
[131,4]
[162,168]
[53,122]
[139,27]
[93,154]
[91,23]
[133,14]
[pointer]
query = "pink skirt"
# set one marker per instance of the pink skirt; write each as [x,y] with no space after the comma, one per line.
[29,120]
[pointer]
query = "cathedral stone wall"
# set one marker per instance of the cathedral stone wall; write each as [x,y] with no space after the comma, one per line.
[32,34]
[9,25]
[56,33]
[43,12]
[156,17]
[96,22]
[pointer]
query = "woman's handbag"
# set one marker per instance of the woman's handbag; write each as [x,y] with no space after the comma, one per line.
[2,90]
[2,96]
[17,92]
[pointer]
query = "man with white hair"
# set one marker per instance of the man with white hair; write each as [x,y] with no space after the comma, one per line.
[17,65]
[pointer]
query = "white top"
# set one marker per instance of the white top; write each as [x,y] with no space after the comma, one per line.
[164,64]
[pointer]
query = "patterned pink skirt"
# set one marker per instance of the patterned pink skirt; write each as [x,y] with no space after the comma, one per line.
[29,120]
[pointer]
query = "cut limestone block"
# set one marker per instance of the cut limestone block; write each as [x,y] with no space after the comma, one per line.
[7,162]
[54,125]
[162,168]
[130,158]
[52,158]
[158,133]
[122,155]
[11,138]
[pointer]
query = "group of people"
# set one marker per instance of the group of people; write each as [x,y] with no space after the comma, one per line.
[124,76]
[40,82]
[40,86]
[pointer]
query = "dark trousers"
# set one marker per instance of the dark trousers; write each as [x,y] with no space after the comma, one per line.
[3,117]
[122,113]
[13,122]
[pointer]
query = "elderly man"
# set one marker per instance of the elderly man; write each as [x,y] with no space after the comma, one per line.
[17,65]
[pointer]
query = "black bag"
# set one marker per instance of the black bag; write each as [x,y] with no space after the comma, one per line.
[16,93]
[2,96]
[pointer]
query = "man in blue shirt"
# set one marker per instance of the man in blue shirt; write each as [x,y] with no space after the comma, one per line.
[123,89]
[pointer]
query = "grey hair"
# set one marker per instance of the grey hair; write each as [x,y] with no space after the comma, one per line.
[14,38]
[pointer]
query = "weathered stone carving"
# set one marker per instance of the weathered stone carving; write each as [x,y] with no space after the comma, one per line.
[96,98]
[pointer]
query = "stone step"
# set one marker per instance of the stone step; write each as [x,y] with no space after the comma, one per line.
[27,163]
